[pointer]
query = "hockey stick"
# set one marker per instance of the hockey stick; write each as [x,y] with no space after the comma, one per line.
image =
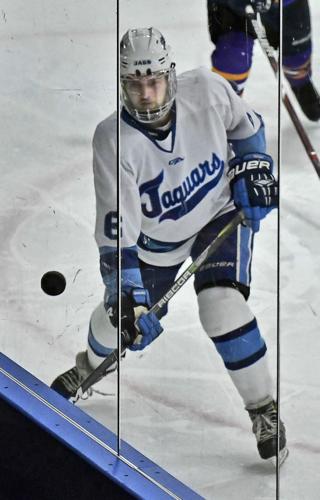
[269,52]
[112,358]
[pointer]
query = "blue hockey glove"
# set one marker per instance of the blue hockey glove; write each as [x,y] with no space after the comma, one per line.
[253,186]
[134,308]
[149,329]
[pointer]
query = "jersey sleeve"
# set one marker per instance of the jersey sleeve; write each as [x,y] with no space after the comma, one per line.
[106,230]
[107,191]
[246,132]
[244,127]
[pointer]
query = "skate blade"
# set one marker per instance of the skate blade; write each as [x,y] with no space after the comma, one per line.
[81,395]
[283,455]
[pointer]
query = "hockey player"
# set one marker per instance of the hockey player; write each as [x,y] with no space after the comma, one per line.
[192,152]
[234,37]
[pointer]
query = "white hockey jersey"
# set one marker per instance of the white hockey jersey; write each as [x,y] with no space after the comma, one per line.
[170,189]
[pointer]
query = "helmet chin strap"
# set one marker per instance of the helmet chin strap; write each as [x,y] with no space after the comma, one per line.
[163,123]
[151,116]
[153,119]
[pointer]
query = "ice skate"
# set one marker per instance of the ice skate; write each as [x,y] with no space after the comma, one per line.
[68,382]
[309,100]
[264,418]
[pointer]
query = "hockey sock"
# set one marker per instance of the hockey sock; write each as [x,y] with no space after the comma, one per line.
[102,336]
[232,57]
[230,324]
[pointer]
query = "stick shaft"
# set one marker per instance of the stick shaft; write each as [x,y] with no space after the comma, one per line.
[195,265]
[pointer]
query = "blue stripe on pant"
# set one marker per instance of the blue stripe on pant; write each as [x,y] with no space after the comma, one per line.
[241,347]
[245,255]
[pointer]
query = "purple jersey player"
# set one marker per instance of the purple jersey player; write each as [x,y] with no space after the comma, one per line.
[234,37]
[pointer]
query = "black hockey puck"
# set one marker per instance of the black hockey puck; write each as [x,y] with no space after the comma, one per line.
[53,283]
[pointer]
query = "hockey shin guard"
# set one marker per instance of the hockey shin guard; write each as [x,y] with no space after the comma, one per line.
[230,324]
[102,336]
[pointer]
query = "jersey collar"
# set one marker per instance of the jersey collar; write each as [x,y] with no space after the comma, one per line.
[154,136]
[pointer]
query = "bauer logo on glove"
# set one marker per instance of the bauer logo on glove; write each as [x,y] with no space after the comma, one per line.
[239,165]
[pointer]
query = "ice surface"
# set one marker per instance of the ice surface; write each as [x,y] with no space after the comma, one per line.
[178,406]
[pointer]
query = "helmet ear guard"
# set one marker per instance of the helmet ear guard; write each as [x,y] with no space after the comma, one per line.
[144,53]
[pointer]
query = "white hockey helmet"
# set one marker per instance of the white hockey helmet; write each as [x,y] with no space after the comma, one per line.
[144,54]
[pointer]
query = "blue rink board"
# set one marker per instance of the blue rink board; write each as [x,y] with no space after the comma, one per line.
[87,437]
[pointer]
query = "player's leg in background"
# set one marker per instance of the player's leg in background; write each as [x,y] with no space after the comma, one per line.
[297,51]
[222,286]
[233,38]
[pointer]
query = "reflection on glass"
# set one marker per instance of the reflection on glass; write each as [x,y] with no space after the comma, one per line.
[102,333]
[300,239]
[297,56]
[192,152]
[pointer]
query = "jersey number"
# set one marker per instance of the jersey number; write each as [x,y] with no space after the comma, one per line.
[111,225]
